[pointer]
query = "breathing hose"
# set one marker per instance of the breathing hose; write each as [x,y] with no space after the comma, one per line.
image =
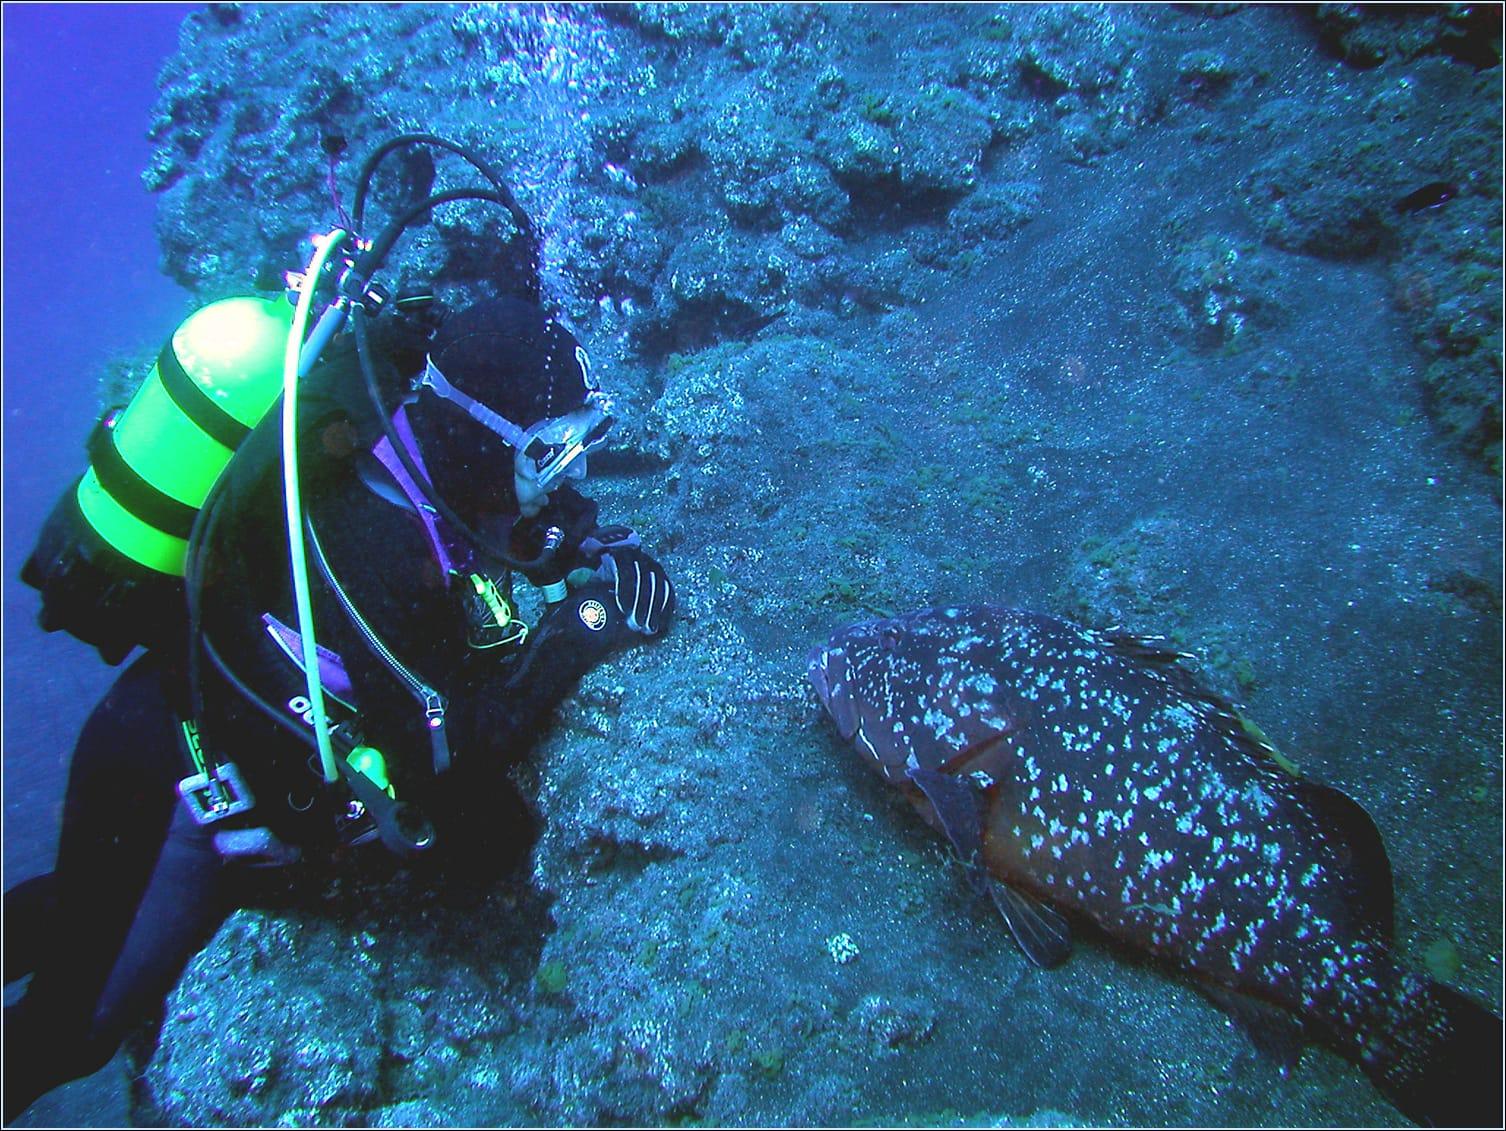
[293,499]
[504,195]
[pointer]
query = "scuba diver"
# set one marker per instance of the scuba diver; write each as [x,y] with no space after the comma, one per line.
[321,564]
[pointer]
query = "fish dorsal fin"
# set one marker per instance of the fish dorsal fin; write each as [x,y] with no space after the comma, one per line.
[1245,736]
[1254,742]
[1358,851]
[1041,931]
[1157,652]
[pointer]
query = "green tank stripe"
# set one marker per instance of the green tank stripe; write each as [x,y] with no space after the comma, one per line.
[195,404]
[133,492]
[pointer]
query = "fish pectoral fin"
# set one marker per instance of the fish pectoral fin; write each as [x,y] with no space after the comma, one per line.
[955,804]
[1041,931]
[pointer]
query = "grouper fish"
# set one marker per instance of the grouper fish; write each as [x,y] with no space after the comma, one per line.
[1086,773]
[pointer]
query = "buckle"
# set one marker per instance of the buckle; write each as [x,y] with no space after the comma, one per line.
[356,825]
[216,795]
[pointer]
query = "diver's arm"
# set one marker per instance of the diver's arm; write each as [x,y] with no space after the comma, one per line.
[505,705]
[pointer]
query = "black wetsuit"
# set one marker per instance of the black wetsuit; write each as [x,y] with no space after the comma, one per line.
[139,887]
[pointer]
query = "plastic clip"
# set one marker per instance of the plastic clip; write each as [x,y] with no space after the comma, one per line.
[216,795]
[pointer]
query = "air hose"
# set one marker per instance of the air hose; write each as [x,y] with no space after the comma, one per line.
[503,197]
[294,500]
[373,258]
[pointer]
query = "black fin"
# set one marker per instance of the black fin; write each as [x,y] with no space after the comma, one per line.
[1449,1075]
[1273,1031]
[1360,854]
[30,908]
[1157,650]
[1041,931]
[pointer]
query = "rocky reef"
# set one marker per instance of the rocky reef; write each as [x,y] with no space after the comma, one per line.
[1179,317]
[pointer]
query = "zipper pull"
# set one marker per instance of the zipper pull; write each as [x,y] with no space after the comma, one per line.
[434,715]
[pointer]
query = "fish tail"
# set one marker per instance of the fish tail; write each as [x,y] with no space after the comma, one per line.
[1439,1059]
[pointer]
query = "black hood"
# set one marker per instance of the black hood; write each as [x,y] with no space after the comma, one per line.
[513,358]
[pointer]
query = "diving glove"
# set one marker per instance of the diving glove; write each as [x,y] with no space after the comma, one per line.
[640,587]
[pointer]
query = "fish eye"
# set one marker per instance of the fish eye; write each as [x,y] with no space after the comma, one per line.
[889,637]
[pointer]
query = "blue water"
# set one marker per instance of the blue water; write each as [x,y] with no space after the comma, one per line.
[82,284]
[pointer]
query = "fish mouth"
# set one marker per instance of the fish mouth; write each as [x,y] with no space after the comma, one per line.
[828,672]
[815,670]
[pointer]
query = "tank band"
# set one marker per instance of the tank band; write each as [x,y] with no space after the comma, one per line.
[126,486]
[195,404]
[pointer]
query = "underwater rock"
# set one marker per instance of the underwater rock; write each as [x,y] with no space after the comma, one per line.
[1366,35]
[1223,290]
[238,1047]
[1335,203]
[888,1025]
[903,157]
[851,377]
[992,213]
[1132,581]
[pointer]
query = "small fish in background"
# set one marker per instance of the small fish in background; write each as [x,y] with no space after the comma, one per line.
[1088,773]
[1435,194]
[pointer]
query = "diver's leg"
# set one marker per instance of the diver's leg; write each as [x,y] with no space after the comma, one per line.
[120,799]
[184,904]
[27,919]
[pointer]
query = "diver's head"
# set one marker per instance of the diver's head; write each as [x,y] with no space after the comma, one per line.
[515,387]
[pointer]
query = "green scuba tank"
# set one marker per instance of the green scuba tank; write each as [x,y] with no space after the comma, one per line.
[110,560]
[152,465]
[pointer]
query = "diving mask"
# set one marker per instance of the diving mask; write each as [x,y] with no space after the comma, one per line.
[553,449]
